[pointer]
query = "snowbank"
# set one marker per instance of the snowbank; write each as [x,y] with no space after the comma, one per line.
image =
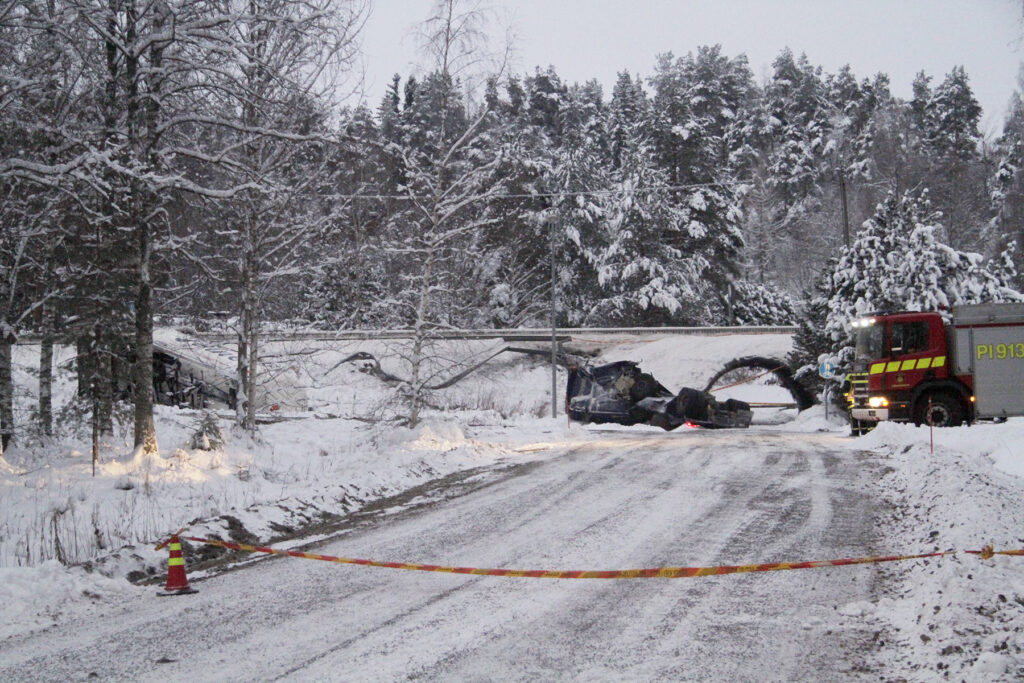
[960,616]
[36,597]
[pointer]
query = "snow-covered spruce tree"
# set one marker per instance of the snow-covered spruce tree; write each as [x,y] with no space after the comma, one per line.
[644,276]
[545,94]
[853,105]
[1007,193]
[898,156]
[17,78]
[552,179]
[53,151]
[720,91]
[951,117]
[577,208]
[628,111]
[35,77]
[959,177]
[345,285]
[898,263]
[759,304]
[855,112]
[513,276]
[812,342]
[763,222]
[798,126]
[694,101]
[798,121]
[864,278]
[921,95]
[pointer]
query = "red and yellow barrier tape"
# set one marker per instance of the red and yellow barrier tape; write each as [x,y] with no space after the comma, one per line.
[987,552]
[164,544]
[653,573]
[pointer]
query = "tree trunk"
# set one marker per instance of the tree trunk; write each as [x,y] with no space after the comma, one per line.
[250,412]
[415,399]
[104,379]
[242,375]
[142,374]
[248,342]
[420,332]
[46,373]
[85,358]
[98,375]
[145,430]
[6,395]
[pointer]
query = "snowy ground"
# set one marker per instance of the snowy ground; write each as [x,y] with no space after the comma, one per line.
[956,617]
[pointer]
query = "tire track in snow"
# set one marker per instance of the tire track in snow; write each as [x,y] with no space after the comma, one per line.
[798,524]
[564,611]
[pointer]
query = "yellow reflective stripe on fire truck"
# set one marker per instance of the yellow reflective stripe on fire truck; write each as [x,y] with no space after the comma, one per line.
[912,364]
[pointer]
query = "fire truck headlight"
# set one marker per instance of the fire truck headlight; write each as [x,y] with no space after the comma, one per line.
[878,402]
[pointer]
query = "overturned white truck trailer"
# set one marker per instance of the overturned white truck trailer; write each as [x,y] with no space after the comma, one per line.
[190,372]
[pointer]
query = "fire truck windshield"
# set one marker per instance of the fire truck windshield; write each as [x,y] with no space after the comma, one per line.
[870,342]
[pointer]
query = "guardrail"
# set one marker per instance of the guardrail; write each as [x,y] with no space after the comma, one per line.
[522,334]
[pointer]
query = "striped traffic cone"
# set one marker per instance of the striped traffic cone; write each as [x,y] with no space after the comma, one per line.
[177,582]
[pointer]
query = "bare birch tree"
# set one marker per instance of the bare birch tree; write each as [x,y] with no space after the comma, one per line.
[293,56]
[448,178]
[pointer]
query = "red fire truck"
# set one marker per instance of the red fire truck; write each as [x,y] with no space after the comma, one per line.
[916,367]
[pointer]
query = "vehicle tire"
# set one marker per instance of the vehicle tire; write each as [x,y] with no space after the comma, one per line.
[946,410]
[662,420]
[691,404]
[734,405]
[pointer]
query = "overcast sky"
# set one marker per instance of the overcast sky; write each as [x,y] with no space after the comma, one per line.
[586,39]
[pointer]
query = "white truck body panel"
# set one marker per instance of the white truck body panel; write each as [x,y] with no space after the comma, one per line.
[988,343]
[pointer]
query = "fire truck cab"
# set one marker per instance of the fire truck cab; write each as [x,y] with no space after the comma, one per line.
[905,358]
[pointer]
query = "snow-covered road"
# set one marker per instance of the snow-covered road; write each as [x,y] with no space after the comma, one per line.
[619,500]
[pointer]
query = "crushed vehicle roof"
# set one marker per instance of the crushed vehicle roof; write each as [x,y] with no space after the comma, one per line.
[621,393]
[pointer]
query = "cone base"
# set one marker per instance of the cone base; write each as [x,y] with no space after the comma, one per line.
[177,591]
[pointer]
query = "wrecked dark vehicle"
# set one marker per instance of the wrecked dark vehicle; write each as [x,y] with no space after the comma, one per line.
[621,393]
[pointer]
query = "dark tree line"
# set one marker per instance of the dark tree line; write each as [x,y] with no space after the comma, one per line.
[191,157]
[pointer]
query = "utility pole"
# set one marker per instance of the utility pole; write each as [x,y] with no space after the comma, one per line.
[554,322]
[846,211]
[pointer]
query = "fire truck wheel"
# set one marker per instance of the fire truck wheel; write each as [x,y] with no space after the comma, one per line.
[946,411]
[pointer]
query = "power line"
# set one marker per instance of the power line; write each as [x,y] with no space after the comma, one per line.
[548,195]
